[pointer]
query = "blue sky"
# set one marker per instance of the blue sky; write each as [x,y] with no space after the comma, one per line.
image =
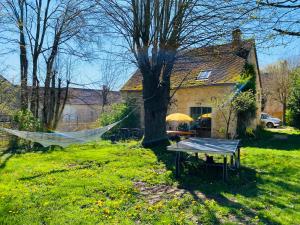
[271,55]
[88,73]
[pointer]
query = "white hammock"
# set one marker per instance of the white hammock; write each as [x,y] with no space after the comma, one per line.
[62,139]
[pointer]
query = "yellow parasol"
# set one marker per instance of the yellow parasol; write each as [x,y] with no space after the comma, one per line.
[207,115]
[179,117]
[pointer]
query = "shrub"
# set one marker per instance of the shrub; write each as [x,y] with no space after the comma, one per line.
[294,101]
[245,107]
[25,121]
[289,117]
[257,134]
[250,132]
[117,112]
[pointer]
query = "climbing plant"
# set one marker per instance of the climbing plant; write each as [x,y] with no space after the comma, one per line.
[248,78]
[240,105]
[245,102]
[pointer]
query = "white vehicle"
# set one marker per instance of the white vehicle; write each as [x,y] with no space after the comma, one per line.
[269,121]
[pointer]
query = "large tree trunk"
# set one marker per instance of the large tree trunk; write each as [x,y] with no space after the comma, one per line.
[155,120]
[156,95]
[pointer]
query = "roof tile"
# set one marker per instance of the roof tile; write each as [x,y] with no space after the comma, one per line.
[225,63]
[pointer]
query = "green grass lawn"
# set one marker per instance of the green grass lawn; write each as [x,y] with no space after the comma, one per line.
[126,184]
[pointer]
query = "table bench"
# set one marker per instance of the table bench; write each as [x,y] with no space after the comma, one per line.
[226,148]
[181,133]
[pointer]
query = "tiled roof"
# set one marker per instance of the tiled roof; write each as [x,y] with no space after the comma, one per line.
[81,96]
[224,62]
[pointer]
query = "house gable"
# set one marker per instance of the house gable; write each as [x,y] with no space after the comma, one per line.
[225,62]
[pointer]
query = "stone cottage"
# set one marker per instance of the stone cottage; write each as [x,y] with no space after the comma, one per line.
[203,76]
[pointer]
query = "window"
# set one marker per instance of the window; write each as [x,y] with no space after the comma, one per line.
[204,75]
[196,112]
[265,116]
[201,126]
[69,118]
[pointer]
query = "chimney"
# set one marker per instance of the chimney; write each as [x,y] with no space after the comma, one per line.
[236,38]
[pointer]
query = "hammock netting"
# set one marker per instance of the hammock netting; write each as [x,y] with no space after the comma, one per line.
[62,139]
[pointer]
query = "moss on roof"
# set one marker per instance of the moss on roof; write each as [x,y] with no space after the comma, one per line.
[225,63]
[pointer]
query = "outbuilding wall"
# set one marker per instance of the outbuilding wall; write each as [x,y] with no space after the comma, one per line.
[78,117]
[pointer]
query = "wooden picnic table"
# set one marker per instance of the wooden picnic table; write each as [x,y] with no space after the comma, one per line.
[226,148]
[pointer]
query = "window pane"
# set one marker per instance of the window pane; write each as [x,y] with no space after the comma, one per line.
[196,112]
[203,75]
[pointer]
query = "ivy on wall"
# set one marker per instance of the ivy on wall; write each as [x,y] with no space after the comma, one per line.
[248,77]
[248,112]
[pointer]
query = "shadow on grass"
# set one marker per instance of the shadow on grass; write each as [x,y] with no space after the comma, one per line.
[274,140]
[44,174]
[206,184]
[4,159]
[83,165]
[8,153]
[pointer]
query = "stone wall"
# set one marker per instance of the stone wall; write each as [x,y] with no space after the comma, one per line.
[203,96]
[206,96]
[185,98]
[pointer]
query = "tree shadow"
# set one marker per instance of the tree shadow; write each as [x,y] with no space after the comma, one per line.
[81,166]
[44,174]
[206,184]
[4,159]
[274,140]
[8,153]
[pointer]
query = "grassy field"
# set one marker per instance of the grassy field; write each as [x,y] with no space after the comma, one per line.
[126,184]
